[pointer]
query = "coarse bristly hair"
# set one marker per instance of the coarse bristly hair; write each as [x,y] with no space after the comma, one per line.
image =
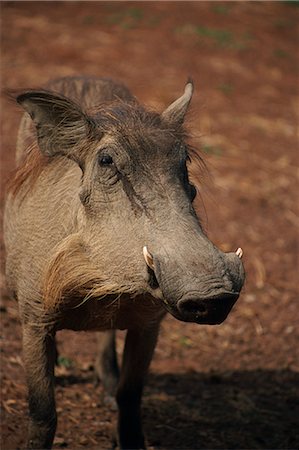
[122,116]
[70,276]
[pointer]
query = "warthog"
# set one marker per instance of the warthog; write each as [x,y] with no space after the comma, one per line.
[101,234]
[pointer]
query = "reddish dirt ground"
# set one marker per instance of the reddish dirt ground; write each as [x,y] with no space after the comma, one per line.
[223,387]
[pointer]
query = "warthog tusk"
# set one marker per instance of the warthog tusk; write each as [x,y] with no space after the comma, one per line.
[148,258]
[239,252]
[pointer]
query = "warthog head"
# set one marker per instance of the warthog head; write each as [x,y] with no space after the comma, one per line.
[136,226]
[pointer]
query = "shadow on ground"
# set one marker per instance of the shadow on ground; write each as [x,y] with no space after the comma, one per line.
[250,410]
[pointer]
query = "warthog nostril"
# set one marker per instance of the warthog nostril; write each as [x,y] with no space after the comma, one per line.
[209,310]
[200,308]
[192,306]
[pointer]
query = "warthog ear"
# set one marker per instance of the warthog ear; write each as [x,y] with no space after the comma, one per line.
[176,111]
[60,123]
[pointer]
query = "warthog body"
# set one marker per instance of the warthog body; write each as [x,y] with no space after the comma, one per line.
[101,234]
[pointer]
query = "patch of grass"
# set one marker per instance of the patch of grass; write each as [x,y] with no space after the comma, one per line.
[219,37]
[88,20]
[280,53]
[283,23]
[221,8]
[185,341]
[65,362]
[222,38]
[211,150]
[135,13]
[226,88]
[292,2]
[127,18]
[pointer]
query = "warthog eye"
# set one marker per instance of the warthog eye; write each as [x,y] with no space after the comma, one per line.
[105,160]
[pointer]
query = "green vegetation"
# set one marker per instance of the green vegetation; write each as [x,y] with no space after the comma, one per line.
[88,20]
[127,18]
[284,23]
[292,2]
[221,8]
[216,36]
[64,361]
[223,38]
[185,341]
[280,53]
[226,88]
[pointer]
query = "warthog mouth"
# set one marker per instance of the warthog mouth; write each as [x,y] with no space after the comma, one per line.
[194,306]
[211,310]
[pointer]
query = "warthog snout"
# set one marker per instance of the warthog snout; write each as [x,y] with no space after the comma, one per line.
[210,310]
[201,297]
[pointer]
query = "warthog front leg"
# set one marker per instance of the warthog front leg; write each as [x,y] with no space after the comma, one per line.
[106,366]
[138,352]
[39,359]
